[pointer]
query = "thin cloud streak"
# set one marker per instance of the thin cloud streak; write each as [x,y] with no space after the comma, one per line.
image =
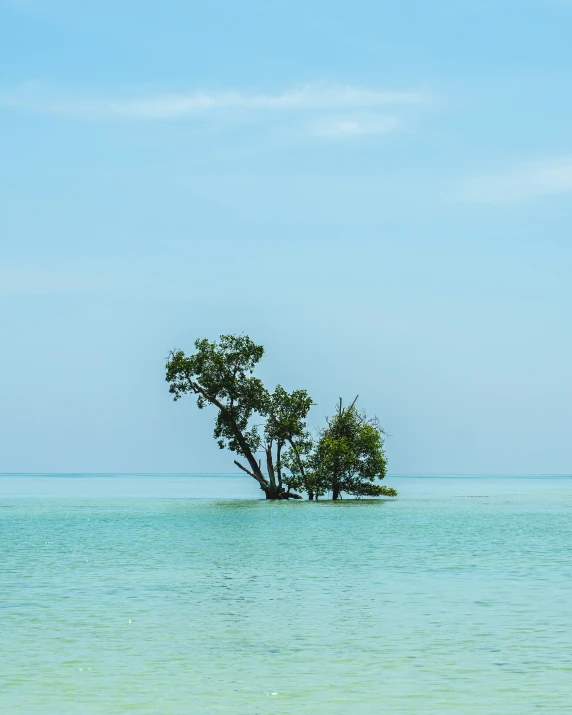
[347,128]
[22,280]
[310,98]
[529,181]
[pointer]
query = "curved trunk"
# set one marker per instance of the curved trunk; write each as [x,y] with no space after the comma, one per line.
[268,486]
[246,451]
[254,465]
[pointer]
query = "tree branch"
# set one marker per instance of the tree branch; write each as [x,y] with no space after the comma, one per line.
[298,458]
[199,389]
[262,482]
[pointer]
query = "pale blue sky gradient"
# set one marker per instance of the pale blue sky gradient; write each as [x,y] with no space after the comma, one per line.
[380,193]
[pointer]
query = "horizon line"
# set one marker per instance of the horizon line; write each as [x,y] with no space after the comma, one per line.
[241,476]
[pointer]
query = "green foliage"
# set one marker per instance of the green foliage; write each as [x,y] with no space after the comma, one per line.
[220,374]
[349,456]
[286,414]
[297,460]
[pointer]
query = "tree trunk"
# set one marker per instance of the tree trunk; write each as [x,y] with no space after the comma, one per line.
[246,451]
[272,492]
[254,465]
[271,476]
[335,484]
[278,464]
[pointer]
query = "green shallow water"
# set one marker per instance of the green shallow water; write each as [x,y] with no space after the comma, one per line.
[454,598]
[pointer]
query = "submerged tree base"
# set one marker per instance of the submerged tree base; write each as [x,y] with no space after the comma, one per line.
[281,494]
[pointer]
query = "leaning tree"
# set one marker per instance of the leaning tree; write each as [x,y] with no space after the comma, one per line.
[347,457]
[220,374]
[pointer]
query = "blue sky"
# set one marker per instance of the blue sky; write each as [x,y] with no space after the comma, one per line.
[378,192]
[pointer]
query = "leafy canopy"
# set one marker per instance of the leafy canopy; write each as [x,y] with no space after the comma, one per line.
[349,455]
[286,414]
[220,373]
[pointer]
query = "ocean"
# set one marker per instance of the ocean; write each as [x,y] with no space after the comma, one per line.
[179,594]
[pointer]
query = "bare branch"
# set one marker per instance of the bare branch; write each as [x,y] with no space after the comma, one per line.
[244,469]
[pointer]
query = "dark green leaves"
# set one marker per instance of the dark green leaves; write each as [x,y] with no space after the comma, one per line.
[286,414]
[220,373]
[349,455]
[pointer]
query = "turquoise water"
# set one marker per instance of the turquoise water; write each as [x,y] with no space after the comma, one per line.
[127,595]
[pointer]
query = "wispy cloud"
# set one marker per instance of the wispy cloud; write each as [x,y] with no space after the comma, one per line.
[309,98]
[525,182]
[25,280]
[343,128]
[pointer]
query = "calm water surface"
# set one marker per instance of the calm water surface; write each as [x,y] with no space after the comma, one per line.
[128,595]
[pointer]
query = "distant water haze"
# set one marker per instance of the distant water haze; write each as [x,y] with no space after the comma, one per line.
[225,486]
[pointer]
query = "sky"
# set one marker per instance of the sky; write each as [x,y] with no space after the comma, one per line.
[378,192]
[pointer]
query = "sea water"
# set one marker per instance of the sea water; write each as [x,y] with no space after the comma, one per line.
[133,595]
